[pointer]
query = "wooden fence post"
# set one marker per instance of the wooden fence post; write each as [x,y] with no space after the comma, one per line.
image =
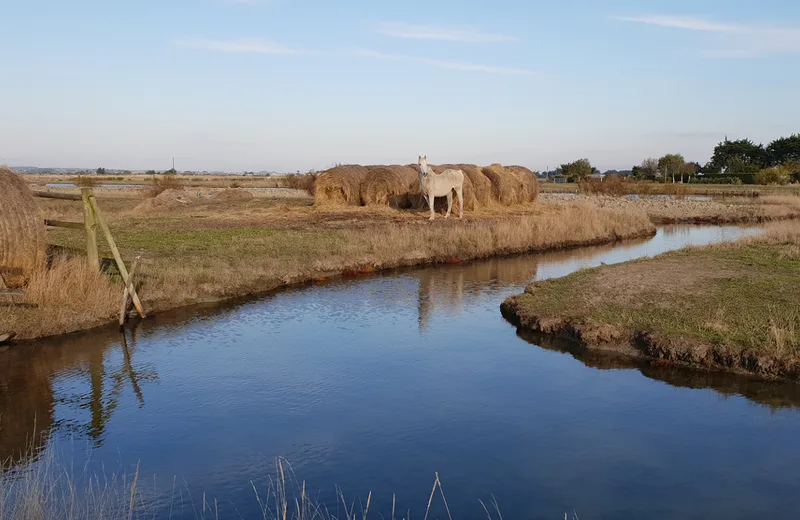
[90,225]
[117,257]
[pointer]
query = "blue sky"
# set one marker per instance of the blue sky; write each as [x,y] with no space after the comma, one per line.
[292,85]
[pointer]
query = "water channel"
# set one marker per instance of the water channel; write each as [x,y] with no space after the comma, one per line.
[376,383]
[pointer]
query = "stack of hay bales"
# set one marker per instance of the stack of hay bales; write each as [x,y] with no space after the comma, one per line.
[396,186]
[23,245]
[340,185]
[477,188]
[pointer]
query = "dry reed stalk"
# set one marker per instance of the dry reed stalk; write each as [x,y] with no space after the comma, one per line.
[340,185]
[23,243]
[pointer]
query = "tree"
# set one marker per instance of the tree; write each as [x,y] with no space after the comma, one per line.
[690,169]
[671,164]
[647,170]
[577,170]
[784,150]
[100,171]
[741,156]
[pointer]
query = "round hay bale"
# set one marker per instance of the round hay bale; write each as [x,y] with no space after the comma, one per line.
[340,185]
[23,245]
[529,181]
[506,186]
[396,186]
[477,188]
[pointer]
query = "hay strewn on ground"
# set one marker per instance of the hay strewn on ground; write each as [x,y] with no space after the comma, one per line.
[165,200]
[340,185]
[395,186]
[230,195]
[22,233]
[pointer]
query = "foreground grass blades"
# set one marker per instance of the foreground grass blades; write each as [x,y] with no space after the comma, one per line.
[733,307]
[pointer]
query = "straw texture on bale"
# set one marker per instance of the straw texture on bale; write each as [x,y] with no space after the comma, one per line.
[477,188]
[396,186]
[340,185]
[23,243]
[529,182]
[512,185]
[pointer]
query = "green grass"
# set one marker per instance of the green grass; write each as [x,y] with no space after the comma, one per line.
[737,297]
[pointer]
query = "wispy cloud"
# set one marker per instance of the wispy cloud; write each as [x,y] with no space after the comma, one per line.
[738,40]
[681,22]
[451,33]
[244,45]
[468,67]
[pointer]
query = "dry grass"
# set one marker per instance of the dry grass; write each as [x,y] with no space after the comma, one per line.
[305,182]
[162,183]
[22,230]
[86,181]
[731,306]
[617,186]
[68,296]
[207,252]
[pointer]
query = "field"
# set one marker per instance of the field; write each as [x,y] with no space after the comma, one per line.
[730,307]
[199,250]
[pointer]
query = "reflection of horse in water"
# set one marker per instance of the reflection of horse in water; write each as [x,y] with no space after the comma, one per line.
[28,401]
[450,287]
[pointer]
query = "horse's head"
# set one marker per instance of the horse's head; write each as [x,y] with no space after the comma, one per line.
[422,164]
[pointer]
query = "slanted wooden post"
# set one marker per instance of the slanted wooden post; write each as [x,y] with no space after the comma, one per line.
[117,258]
[90,225]
[127,292]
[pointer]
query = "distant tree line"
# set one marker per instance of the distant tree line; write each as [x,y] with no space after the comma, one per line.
[736,162]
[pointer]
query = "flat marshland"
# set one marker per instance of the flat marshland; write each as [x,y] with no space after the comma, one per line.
[732,306]
[195,249]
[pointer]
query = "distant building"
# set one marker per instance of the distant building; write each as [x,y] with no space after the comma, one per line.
[559,179]
[597,176]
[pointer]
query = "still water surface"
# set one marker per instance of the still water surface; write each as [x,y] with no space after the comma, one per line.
[376,383]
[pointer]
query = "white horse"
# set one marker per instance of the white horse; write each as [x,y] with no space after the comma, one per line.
[443,184]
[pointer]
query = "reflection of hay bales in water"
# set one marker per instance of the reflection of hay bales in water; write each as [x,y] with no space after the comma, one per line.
[396,186]
[22,233]
[340,185]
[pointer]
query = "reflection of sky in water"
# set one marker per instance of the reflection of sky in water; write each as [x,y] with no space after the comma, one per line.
[375,383]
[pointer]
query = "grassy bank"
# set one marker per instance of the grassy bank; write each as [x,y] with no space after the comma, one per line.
[732,210]
[649,188]
[731,307]
[208,252]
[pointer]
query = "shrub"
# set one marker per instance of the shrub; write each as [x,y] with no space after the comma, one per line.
[306,182]
[718,179]
[775,175]
[165,182]
[85,181]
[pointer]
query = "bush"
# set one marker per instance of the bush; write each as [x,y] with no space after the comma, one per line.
[306,182]
[85,181]
[775,175]
[163,183]
[718,179]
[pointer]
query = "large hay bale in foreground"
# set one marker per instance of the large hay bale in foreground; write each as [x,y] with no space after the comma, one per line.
[340,185]
[529,182]
[396,186]
[23,244]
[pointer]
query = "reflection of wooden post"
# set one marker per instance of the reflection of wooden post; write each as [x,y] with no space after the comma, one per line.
[90,225]
[124,307]
[117,258]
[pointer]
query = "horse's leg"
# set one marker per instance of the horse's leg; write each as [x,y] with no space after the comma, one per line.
[431,200]
[449,202]
[460,193]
